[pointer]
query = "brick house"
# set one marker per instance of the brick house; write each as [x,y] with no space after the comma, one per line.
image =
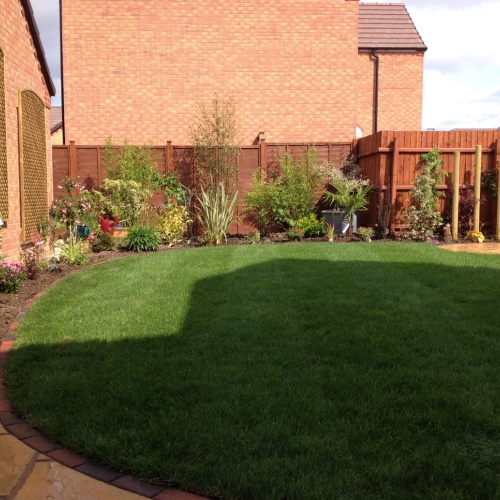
[301,70]
[25,155]
[56,125]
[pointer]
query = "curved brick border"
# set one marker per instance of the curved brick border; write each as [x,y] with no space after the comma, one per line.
[33,438]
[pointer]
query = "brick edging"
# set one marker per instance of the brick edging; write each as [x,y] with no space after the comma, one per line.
[36,440]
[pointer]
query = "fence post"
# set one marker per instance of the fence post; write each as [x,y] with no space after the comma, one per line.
[169,160]
[394,184]
[497,166]
[456,196]
[477,187]
[263,151]
[99,167]
[73,161]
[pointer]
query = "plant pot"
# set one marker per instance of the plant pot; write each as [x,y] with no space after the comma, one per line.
[119,236]
[337,218]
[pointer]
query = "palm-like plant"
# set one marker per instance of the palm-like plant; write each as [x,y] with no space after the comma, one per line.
[349,195]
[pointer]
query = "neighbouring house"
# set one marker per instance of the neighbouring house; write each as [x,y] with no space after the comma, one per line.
[56,126]
[25,153]
[302,71]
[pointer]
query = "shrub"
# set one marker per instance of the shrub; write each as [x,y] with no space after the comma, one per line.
[104,242]
[32,257]
[71,207]
[128,199]
[311,226]
[365,233]
[73,253]
[475,236]
[216,214]
[142,239]
[466,204]
[101,208]
[173,222]
[252,237]
[11,277]
[279,202]
[422,217]
[294,234]
[132,163]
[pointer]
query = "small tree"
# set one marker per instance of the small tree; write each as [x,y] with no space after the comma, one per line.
[213,136]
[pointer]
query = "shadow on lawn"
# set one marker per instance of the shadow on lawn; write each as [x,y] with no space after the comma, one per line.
[292,379]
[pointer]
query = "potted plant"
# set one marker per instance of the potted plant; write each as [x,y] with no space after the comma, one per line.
[348,196]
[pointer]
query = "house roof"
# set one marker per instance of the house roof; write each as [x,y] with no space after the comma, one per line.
[56,118]
[30,18]
[387,26]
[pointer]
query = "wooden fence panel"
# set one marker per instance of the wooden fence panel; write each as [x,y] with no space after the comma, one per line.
[87,162]
[377,159]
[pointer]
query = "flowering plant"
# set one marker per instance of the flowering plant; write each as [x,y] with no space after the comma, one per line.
[475,236]
[70,207]
[11,277]
[108,225]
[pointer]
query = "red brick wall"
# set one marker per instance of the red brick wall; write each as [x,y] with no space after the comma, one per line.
[400,91]
[22,71]
[137,68]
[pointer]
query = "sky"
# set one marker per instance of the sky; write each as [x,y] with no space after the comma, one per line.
[461,68]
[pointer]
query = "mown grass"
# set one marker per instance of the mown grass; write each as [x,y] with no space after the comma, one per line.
[275,371]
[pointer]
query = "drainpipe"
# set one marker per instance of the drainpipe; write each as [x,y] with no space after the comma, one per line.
[62,73]
[375,96]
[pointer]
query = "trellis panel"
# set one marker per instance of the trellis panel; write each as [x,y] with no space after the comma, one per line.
[33,162]
[4,190]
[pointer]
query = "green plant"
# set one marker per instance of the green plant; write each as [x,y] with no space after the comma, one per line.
[330,231]
[71,207]
[422,216]
[174,189]
[101,208]
[103,242]
[383,213]
[350,196]
[173,222]
[11,277]
[475,236]
[128,199]
[294,234]
[216,213]
[73,253]
[311,226]
[278,202]
[489,181]
[132,163]
[365,233]
[252,237]
[142,239]
[213,135]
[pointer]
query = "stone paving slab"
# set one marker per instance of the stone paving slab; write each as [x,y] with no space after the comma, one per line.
[14,458]
[50,479]
[32,467]
[487,247]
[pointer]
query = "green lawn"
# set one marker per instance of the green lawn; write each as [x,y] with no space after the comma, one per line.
[298,371]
